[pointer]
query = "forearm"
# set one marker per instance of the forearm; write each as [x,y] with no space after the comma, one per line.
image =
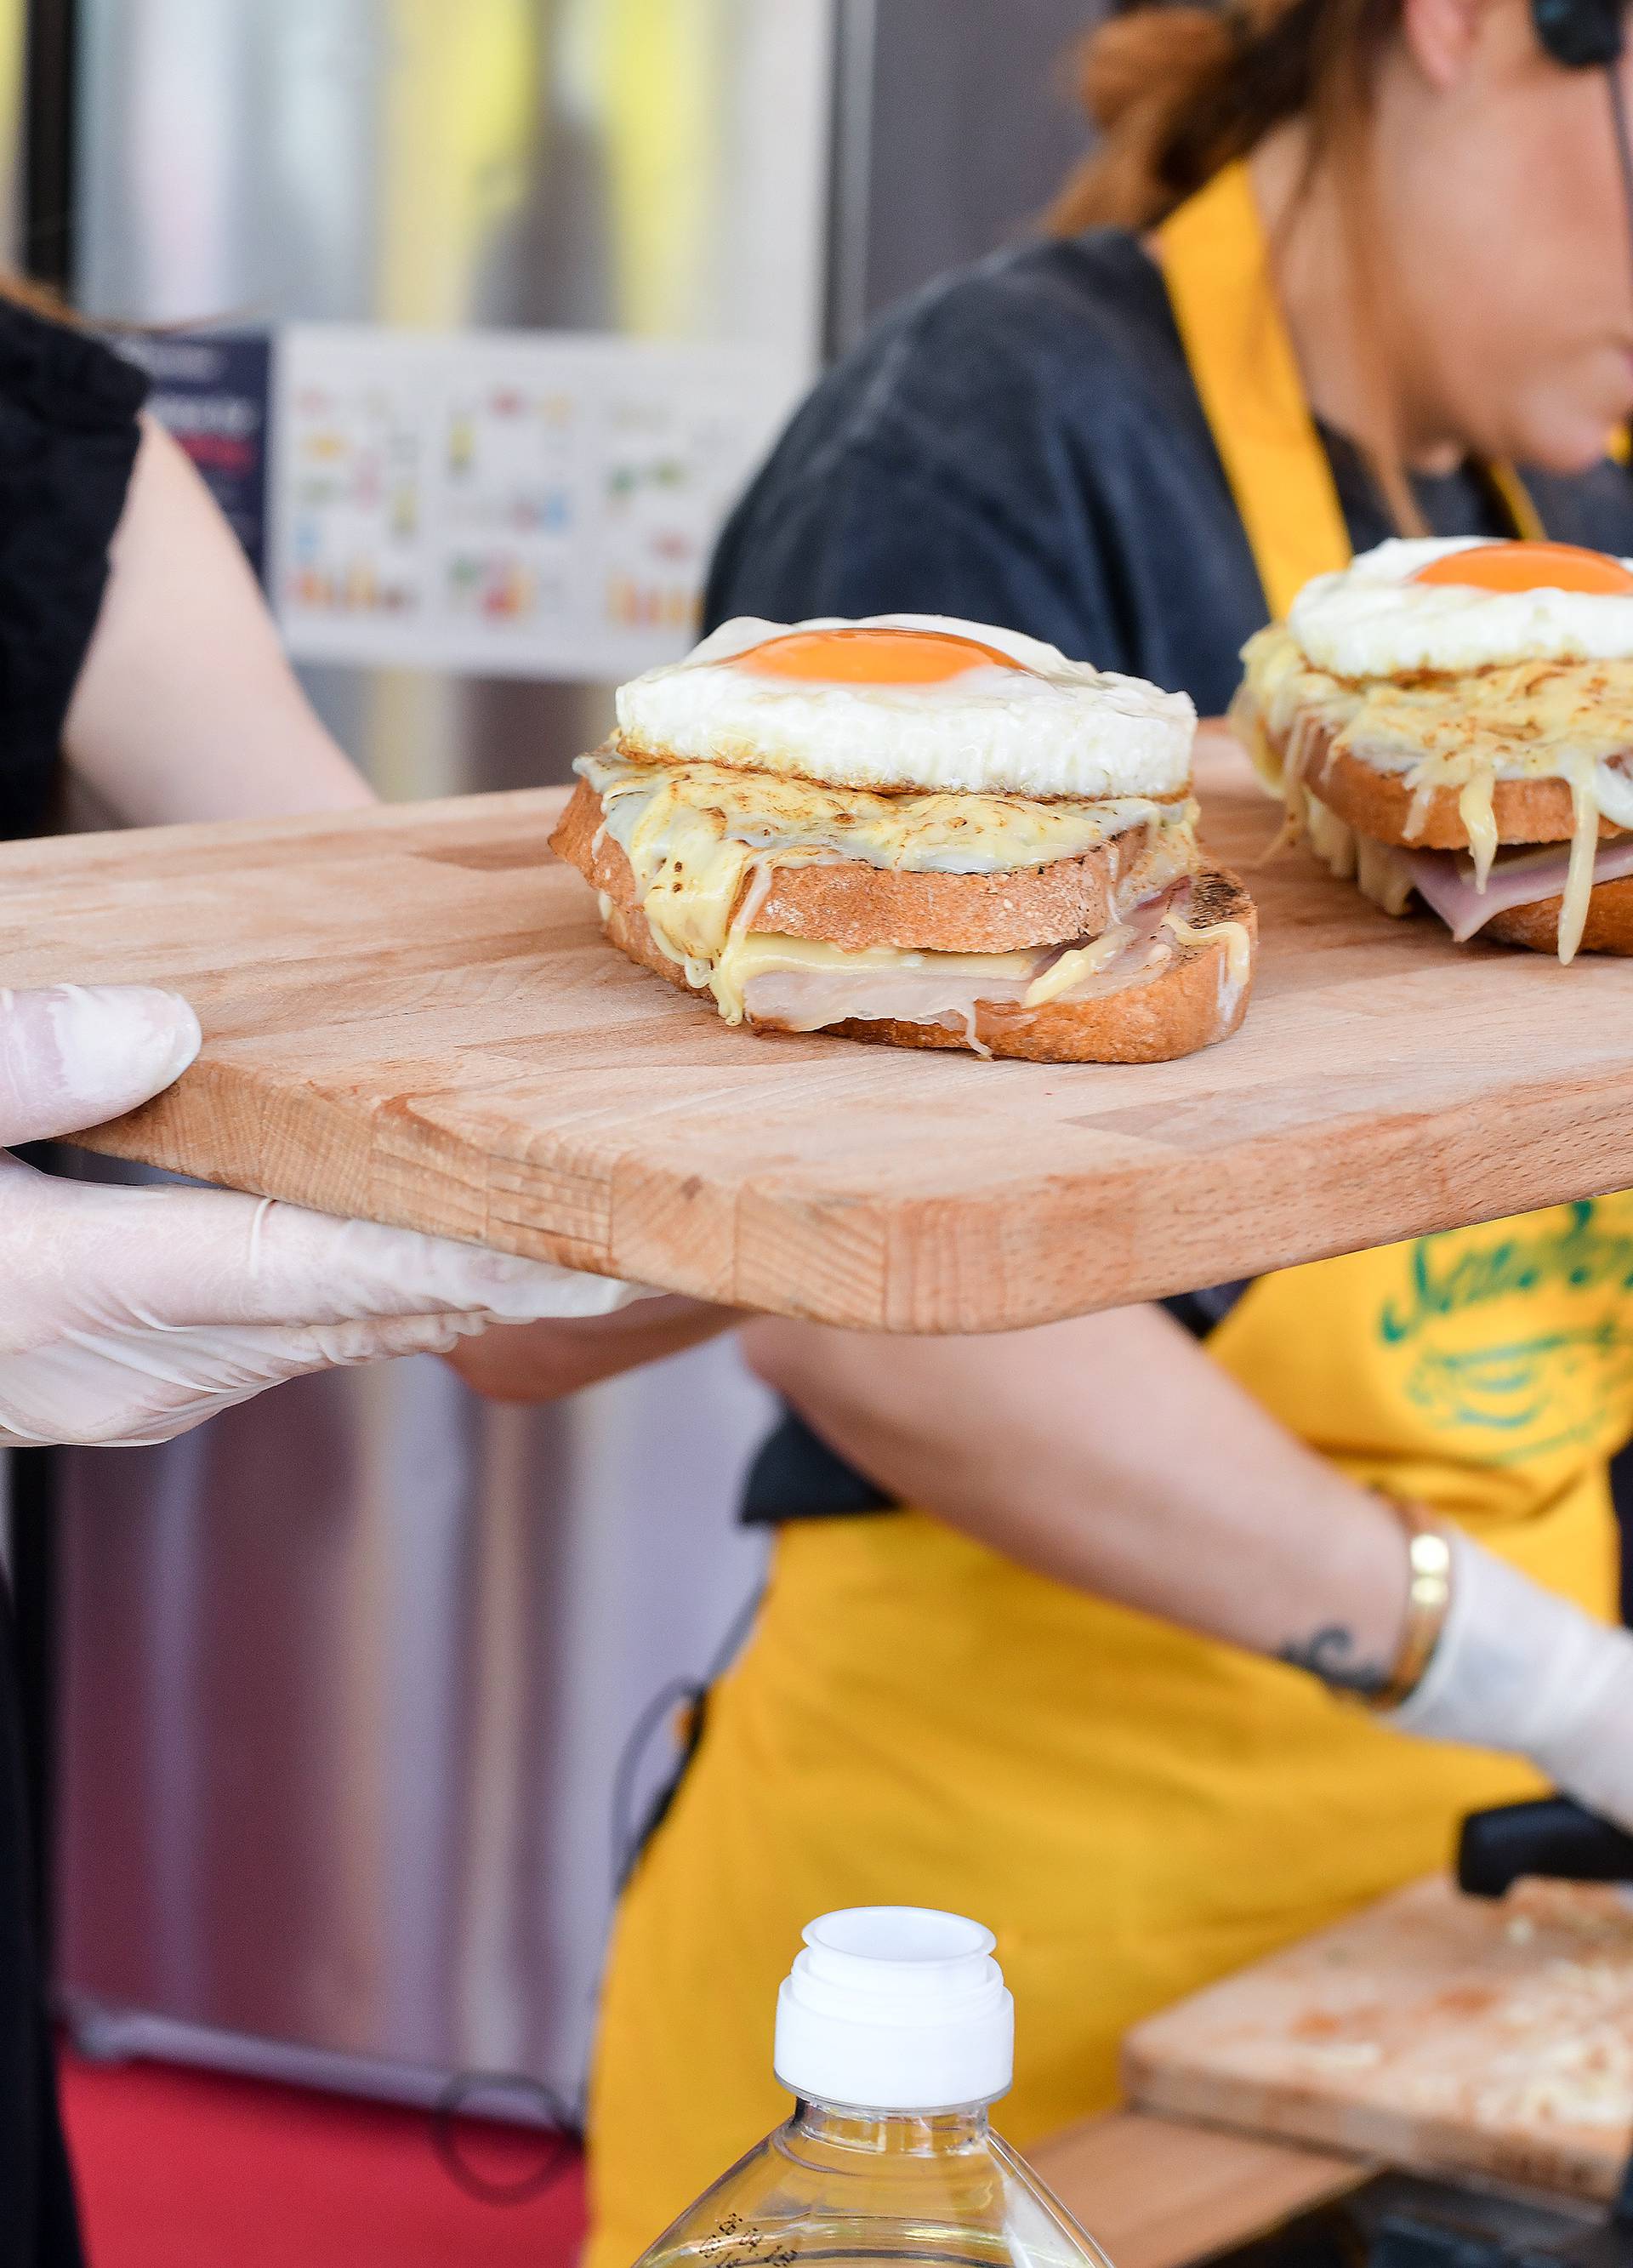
[543,1362]
[186,707]
[1112,1454]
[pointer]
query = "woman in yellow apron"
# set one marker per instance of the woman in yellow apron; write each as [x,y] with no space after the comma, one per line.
[1390,251]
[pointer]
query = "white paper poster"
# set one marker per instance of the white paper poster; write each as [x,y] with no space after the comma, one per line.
[520,503]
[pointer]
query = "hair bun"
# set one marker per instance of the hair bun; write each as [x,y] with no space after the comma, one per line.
[1153,55]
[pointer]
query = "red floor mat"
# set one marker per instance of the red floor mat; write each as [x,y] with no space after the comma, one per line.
[183,2169]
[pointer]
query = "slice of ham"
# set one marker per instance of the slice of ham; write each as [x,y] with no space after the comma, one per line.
[932,988]
[1445,880]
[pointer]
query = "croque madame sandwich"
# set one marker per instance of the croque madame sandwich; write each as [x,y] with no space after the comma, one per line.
[1453,721]
[916,831]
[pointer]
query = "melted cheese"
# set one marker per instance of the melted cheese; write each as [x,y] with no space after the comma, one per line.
[703,843]
[1078,963]
[1382,875]
[1474,808]
[1533,720]
[1237,967]
[918,832]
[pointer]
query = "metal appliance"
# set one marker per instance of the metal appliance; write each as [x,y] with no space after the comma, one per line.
[346,1680]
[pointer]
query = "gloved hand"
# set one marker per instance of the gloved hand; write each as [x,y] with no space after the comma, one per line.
[128,1315]
[1519,1669]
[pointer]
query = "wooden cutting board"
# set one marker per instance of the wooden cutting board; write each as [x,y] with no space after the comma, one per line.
[1159,2192]
[1440,2033]
[410,1015]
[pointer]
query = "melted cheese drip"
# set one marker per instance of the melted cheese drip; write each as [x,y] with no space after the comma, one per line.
[1474,808]
[1517,721]
[703,843]
[1584,843]
[1078,963]
[1378,870]
[1382,875]
[1236,968]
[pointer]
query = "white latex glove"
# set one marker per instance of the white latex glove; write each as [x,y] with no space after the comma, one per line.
[128,1315]
[1519,1669]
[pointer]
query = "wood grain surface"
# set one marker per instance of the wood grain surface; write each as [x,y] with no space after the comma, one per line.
[1439,2033]
[1158,2192]
[411,1014]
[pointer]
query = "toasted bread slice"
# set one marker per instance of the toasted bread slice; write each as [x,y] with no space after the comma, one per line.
[1187,1004]
[853,905]
[1380,803]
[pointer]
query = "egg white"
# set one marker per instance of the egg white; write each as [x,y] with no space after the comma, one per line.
[1055,727]
[1372,621]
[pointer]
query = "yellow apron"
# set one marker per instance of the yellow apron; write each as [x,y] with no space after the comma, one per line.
[1133,1810]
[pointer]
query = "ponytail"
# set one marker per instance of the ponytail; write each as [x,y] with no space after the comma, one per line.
[1179,93]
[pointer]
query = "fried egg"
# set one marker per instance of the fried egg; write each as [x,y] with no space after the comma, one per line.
[1464,605]
[908,701]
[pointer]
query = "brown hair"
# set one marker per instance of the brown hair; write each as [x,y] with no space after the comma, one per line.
[1179,93]
[23,292]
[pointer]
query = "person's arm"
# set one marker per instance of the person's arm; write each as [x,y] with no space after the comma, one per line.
[543,1362]
[1112,1453]
[185,707]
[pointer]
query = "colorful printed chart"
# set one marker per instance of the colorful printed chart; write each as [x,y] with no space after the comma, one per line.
[516,503]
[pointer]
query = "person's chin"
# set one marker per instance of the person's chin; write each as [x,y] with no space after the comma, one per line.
[1568,441]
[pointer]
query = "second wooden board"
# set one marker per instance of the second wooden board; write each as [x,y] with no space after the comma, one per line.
[410,1015]
[1435,2032]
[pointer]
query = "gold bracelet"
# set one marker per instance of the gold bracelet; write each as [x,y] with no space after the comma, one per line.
[1428,1602]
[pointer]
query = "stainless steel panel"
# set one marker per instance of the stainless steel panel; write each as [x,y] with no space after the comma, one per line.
[347,1678]
[958,122]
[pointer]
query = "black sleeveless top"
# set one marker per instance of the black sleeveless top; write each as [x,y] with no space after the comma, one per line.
[68,441]
[1022,444]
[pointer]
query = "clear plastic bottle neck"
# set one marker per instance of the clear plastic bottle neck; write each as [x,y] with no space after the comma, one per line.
[890,2134]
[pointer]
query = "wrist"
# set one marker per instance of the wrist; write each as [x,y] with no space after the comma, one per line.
[1430,1580]
[1519,1669]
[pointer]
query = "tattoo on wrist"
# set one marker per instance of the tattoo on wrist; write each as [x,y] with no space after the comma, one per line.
[1329,1654]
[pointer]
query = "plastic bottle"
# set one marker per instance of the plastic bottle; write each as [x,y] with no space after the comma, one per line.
[894,2034]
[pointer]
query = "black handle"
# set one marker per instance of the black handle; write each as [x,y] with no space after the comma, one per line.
[1555,1837]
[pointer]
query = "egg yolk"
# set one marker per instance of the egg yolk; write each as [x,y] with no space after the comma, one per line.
[1530,567]
[865,655]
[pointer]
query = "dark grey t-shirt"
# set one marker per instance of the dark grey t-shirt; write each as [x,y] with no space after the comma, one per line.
[1022,445]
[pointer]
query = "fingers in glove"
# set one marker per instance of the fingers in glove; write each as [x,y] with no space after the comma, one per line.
[74,1055]
[309,1258]
[130,1391]
[172,1258]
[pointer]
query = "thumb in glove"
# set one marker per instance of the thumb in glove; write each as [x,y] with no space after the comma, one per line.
[74,1055]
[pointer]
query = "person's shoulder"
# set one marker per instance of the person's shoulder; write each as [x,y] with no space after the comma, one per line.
[986,369]
[62,374]
[1060,322]
[1055,300]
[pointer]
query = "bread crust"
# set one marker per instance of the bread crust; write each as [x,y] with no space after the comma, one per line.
[1185,1006]
[1380,803]
[851,904]
[1608,928]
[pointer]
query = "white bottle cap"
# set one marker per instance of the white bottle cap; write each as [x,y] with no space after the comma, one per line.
[895,2008]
